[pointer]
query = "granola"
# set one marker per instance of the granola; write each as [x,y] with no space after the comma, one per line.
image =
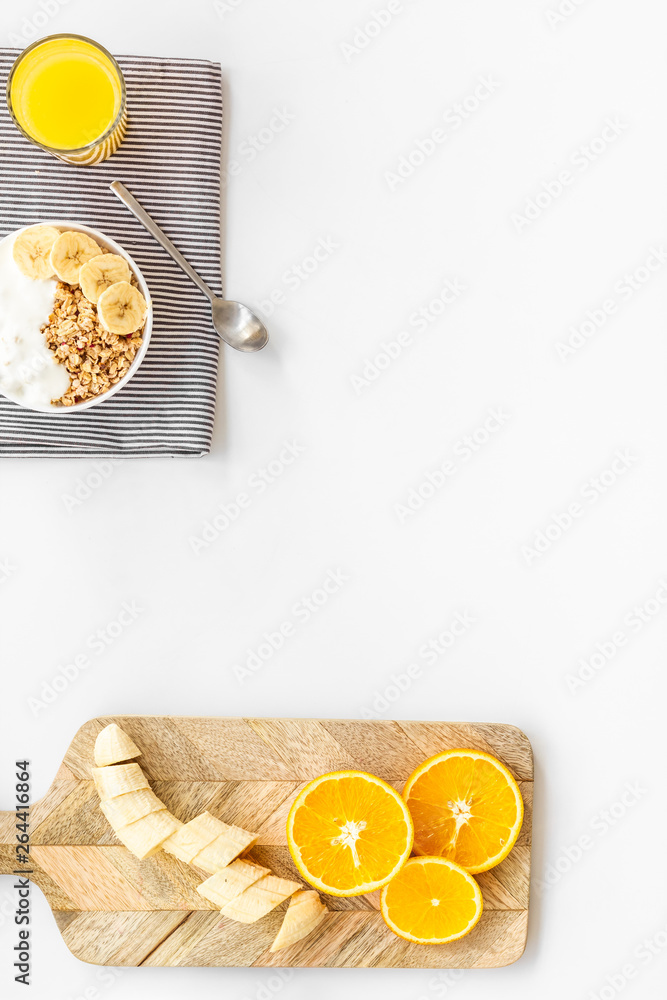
[94,358]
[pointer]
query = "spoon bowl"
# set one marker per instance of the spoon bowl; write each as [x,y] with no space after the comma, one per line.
[238,326]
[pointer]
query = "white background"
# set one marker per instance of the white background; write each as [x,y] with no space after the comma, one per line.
[355,114]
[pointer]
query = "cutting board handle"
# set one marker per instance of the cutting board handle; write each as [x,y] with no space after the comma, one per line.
[8,861]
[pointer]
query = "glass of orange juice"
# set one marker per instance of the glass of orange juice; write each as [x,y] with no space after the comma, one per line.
[66,94]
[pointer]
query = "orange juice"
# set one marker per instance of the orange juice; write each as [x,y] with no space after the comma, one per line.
[67,95]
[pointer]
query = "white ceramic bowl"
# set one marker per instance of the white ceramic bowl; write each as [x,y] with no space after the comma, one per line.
[111,245]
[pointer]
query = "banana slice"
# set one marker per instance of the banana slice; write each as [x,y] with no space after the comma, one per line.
[122,308]
[205,831]
[224,849]
[113,746]
[259,899]
[305,911]
[226,885]
[118,779]
[194,836]
[101,272]
[128,808]
[146,836]
[69,252]
[32,251]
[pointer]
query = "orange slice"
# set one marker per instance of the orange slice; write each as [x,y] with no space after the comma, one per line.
[431,901]
[349,833]
[466,806]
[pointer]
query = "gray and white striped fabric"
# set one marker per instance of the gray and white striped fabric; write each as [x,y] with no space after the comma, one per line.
[170,160]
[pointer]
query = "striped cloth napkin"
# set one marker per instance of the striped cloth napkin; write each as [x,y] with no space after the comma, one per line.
[170,160]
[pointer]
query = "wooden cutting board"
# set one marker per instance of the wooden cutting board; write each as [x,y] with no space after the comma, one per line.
[113,909]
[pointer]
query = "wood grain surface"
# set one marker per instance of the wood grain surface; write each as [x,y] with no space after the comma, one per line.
[113,909]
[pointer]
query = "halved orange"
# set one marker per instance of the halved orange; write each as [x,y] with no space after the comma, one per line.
[466,807]
[431,901]
[349,833]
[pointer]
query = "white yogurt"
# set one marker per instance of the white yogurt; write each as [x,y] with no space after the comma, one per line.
[29,372]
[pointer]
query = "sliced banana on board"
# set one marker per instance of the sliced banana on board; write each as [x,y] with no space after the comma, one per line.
[226,885]
[145,836]
[305,911]
[244,891]
[99,273]
[113,745]
[128,808]
[140,820]
[208,843]
[224,849]
[122,309]
[118,779]
[32,251]
[70,252]
[194,836]
[259,899]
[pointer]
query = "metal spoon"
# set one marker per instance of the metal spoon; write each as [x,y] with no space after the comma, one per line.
[235,323]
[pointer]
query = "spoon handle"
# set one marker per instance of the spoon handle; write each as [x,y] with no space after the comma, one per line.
[144,218]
